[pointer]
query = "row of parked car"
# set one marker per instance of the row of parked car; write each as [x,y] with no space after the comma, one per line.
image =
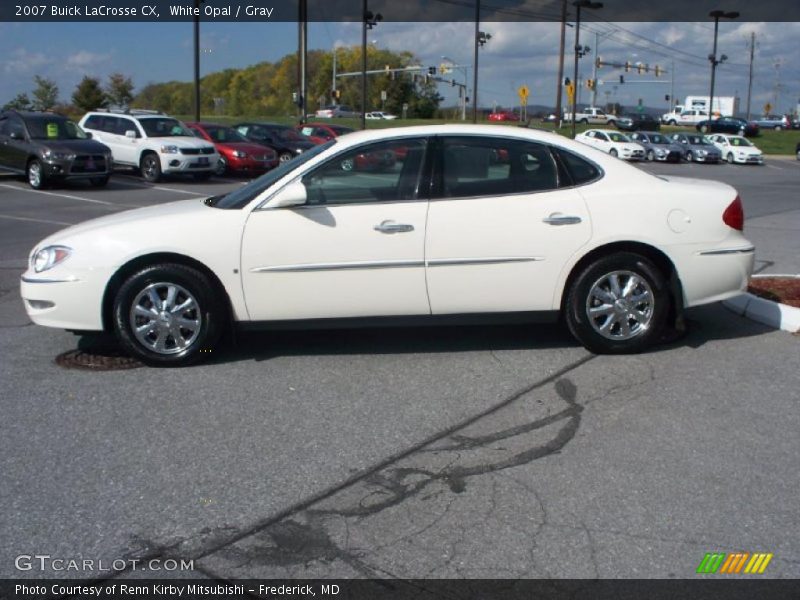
[47,147]
[675,147]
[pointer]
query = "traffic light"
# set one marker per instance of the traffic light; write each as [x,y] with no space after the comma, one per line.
[566,81]
[627,66]
[590,84]
[666,97]
[597,62]
[432,70]
[658,71]
[639,68]
[622,79]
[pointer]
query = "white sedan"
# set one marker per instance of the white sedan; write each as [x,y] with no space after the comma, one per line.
[467,220]
[613,142]
[737,149]
[377,115]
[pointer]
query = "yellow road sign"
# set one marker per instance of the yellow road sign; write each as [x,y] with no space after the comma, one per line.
[767,108]
[523,92]
[570,91]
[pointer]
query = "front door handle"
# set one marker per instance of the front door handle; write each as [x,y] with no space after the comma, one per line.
[390,226]
[559,219]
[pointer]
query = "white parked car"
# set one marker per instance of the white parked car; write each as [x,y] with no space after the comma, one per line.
[152,142]
[468,220]
[737,149]
[613,142]
[377,115]
[685,117]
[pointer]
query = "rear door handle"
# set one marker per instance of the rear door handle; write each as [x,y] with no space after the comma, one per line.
[559,219]
[390,226]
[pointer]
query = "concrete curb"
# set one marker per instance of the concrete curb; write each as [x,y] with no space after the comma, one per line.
[772,314]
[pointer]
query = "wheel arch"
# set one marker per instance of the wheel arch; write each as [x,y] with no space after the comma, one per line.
[140,262]
[656,256]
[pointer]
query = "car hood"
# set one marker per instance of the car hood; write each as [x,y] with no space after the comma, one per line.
[249,147]
[183,141]
[76,146]
[179,211]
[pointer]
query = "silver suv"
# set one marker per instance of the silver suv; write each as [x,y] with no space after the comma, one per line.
[152,142]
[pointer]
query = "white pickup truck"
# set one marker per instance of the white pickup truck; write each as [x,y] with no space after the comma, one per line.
[595,116]
[684,117]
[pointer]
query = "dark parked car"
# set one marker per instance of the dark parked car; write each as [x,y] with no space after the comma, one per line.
[658,146]
[287,142]
[728,125]
[48,147]
[319,133]
[236,152]
[638,122]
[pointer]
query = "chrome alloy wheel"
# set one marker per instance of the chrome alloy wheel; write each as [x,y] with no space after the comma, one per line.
[165,318]
[35,174]
[620,305]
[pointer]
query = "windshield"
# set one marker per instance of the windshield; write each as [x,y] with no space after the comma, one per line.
[657,138]
[44,128]
[164,127]
[244,195]
[618,137]
[740,141]
[698,140]
[224,135]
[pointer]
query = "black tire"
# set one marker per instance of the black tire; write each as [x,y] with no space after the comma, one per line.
[778,127]
[689,156]
[37,178]
[730,158]
[208,313]
[285,157]
[99,181]
[222,166]
[586,329]
[613,152]
[585,121]
[672,122]
[651,156]
[704,128]
[150,167]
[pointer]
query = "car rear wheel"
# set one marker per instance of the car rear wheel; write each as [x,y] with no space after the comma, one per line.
[167,315]
[151,168]
[618,304]
[672,122]
[36,176]
[730,158]
[613,152]
[778,127]
[584,121]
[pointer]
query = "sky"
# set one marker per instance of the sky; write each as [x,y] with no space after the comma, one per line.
[517,54]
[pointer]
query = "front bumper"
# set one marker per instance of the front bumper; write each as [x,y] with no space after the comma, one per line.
[65,301]
[82,166]
[250,164]
[179,163]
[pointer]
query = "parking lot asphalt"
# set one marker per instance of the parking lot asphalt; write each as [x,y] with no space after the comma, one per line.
[430,452]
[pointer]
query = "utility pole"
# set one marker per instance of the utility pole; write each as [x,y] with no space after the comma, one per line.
[302,37]
[475,62]
[750,76]
[594,67]
[197,4]
[672,87]
[560,82]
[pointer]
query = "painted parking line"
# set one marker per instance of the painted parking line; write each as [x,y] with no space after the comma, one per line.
[144,186]
[69,196]
[35,220]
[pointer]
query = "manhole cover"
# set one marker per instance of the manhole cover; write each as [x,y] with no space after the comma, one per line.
[100,359]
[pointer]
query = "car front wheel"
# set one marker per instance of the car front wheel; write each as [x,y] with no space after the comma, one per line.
[730,158]
[36,176]
[704,128]
[613,152]
[689,156]
[151,168]
[167,315]
[618,304]
[651,156]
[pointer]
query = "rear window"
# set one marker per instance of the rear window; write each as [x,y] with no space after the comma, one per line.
[578,169]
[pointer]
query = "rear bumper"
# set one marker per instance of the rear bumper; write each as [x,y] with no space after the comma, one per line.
[715,274]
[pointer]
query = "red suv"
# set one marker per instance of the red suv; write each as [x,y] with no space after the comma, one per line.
[236,152]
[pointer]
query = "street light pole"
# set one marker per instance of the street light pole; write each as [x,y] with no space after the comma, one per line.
[475,62]
[197,4]
[579,51]
[560,81]
[716,15]
[302,63]
[368,21]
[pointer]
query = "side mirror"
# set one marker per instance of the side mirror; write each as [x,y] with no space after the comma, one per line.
[16,135]
[294,194]
[130,134]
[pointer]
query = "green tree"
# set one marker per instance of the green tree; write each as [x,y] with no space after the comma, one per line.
[19,102]
[119,90]
[88,94]
[45,94]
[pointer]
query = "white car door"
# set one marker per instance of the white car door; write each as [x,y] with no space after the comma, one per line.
[501,226]
[355,249]
[127,150]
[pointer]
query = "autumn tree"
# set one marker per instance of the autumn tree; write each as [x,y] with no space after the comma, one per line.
[88,94]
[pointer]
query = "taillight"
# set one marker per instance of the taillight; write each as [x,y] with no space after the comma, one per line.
[734,215]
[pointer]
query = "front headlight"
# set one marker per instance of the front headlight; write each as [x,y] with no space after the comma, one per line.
[51,155]
[49,257]
[239,154]
[702,152]
[169,149]
[660,152]
[298,150]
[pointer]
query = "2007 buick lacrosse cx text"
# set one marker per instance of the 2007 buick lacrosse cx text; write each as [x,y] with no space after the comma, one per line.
[449,223]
